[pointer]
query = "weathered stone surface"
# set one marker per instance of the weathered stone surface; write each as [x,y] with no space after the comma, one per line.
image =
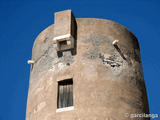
[107,80]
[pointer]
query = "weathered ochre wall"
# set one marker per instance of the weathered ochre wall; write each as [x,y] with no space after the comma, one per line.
[107,81]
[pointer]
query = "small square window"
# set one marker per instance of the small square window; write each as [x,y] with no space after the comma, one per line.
[65,93]
[63,45]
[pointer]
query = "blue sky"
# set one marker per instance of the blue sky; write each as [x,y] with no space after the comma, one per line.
[21,21]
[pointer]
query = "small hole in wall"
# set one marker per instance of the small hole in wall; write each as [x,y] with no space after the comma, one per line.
[68,64]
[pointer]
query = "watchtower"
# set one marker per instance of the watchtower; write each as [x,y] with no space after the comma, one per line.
[85,69]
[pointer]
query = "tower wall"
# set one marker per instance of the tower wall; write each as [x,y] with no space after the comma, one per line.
[107,79]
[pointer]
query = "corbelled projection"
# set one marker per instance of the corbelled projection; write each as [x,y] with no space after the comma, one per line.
[85,69]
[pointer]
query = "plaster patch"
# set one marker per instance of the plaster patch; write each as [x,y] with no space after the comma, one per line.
[48,116]
[39,107]
[39,89]
[61,66]
[52,69]
[49,83]
[91,70]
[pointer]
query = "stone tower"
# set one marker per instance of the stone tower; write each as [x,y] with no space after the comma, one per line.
[85,69]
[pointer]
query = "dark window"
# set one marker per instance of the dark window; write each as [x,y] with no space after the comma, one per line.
[65,93]
[63,45]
